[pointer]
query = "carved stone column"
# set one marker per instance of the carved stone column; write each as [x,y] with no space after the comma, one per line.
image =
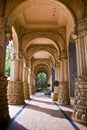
[4,113]
[15,85]
[25,81]
[50,79]
[2,46]
[80,106]
[56,71]
[32,84]
[63,97]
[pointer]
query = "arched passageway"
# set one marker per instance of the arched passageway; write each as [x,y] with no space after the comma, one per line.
[41,33]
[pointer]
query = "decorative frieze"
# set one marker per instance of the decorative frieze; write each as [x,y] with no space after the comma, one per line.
[4,113]
[15,92]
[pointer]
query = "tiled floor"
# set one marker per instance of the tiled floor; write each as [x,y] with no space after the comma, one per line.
[40,113]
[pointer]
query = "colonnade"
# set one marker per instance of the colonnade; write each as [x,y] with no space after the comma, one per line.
[22,82]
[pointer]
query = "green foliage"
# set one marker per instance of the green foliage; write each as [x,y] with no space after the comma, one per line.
[41,81]
[7,68]
[7,62]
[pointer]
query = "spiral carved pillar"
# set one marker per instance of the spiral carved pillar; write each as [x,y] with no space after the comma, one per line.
[4,113]
[15,85]
[80,105]
[63,97]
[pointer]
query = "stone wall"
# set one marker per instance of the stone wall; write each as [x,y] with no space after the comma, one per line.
[15,92]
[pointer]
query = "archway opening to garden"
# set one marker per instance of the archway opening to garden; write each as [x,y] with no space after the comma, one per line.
[41,82]
[9,49]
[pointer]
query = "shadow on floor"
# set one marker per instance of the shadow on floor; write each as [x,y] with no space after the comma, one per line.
[15,126]
[51,103]
[54,113]
[36,100]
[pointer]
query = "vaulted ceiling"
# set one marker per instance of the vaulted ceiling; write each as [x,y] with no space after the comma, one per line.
[33,16]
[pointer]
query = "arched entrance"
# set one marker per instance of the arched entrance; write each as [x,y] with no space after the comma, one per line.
[41,82]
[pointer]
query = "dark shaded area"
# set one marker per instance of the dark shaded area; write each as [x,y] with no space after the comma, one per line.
[15,126]
[72,66]
[53,78]
[3,125]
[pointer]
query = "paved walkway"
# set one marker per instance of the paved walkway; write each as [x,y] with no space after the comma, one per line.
[40,113]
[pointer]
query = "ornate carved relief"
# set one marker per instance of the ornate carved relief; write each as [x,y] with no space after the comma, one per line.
[81,28]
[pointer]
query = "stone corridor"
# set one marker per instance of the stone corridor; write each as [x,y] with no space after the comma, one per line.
[41,113]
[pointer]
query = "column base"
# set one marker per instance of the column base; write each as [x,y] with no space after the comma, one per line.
[80,105]
[26,90]
[15,92]
[63,96]
[4,112]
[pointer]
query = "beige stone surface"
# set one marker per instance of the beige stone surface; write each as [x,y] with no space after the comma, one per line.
[42,114]
[41,31]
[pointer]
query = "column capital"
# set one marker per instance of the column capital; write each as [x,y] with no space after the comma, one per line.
[80,28]
[26,63]
[63,54]
[17,55]
[14,56]
[57,63]
[20,54]
[8,33]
